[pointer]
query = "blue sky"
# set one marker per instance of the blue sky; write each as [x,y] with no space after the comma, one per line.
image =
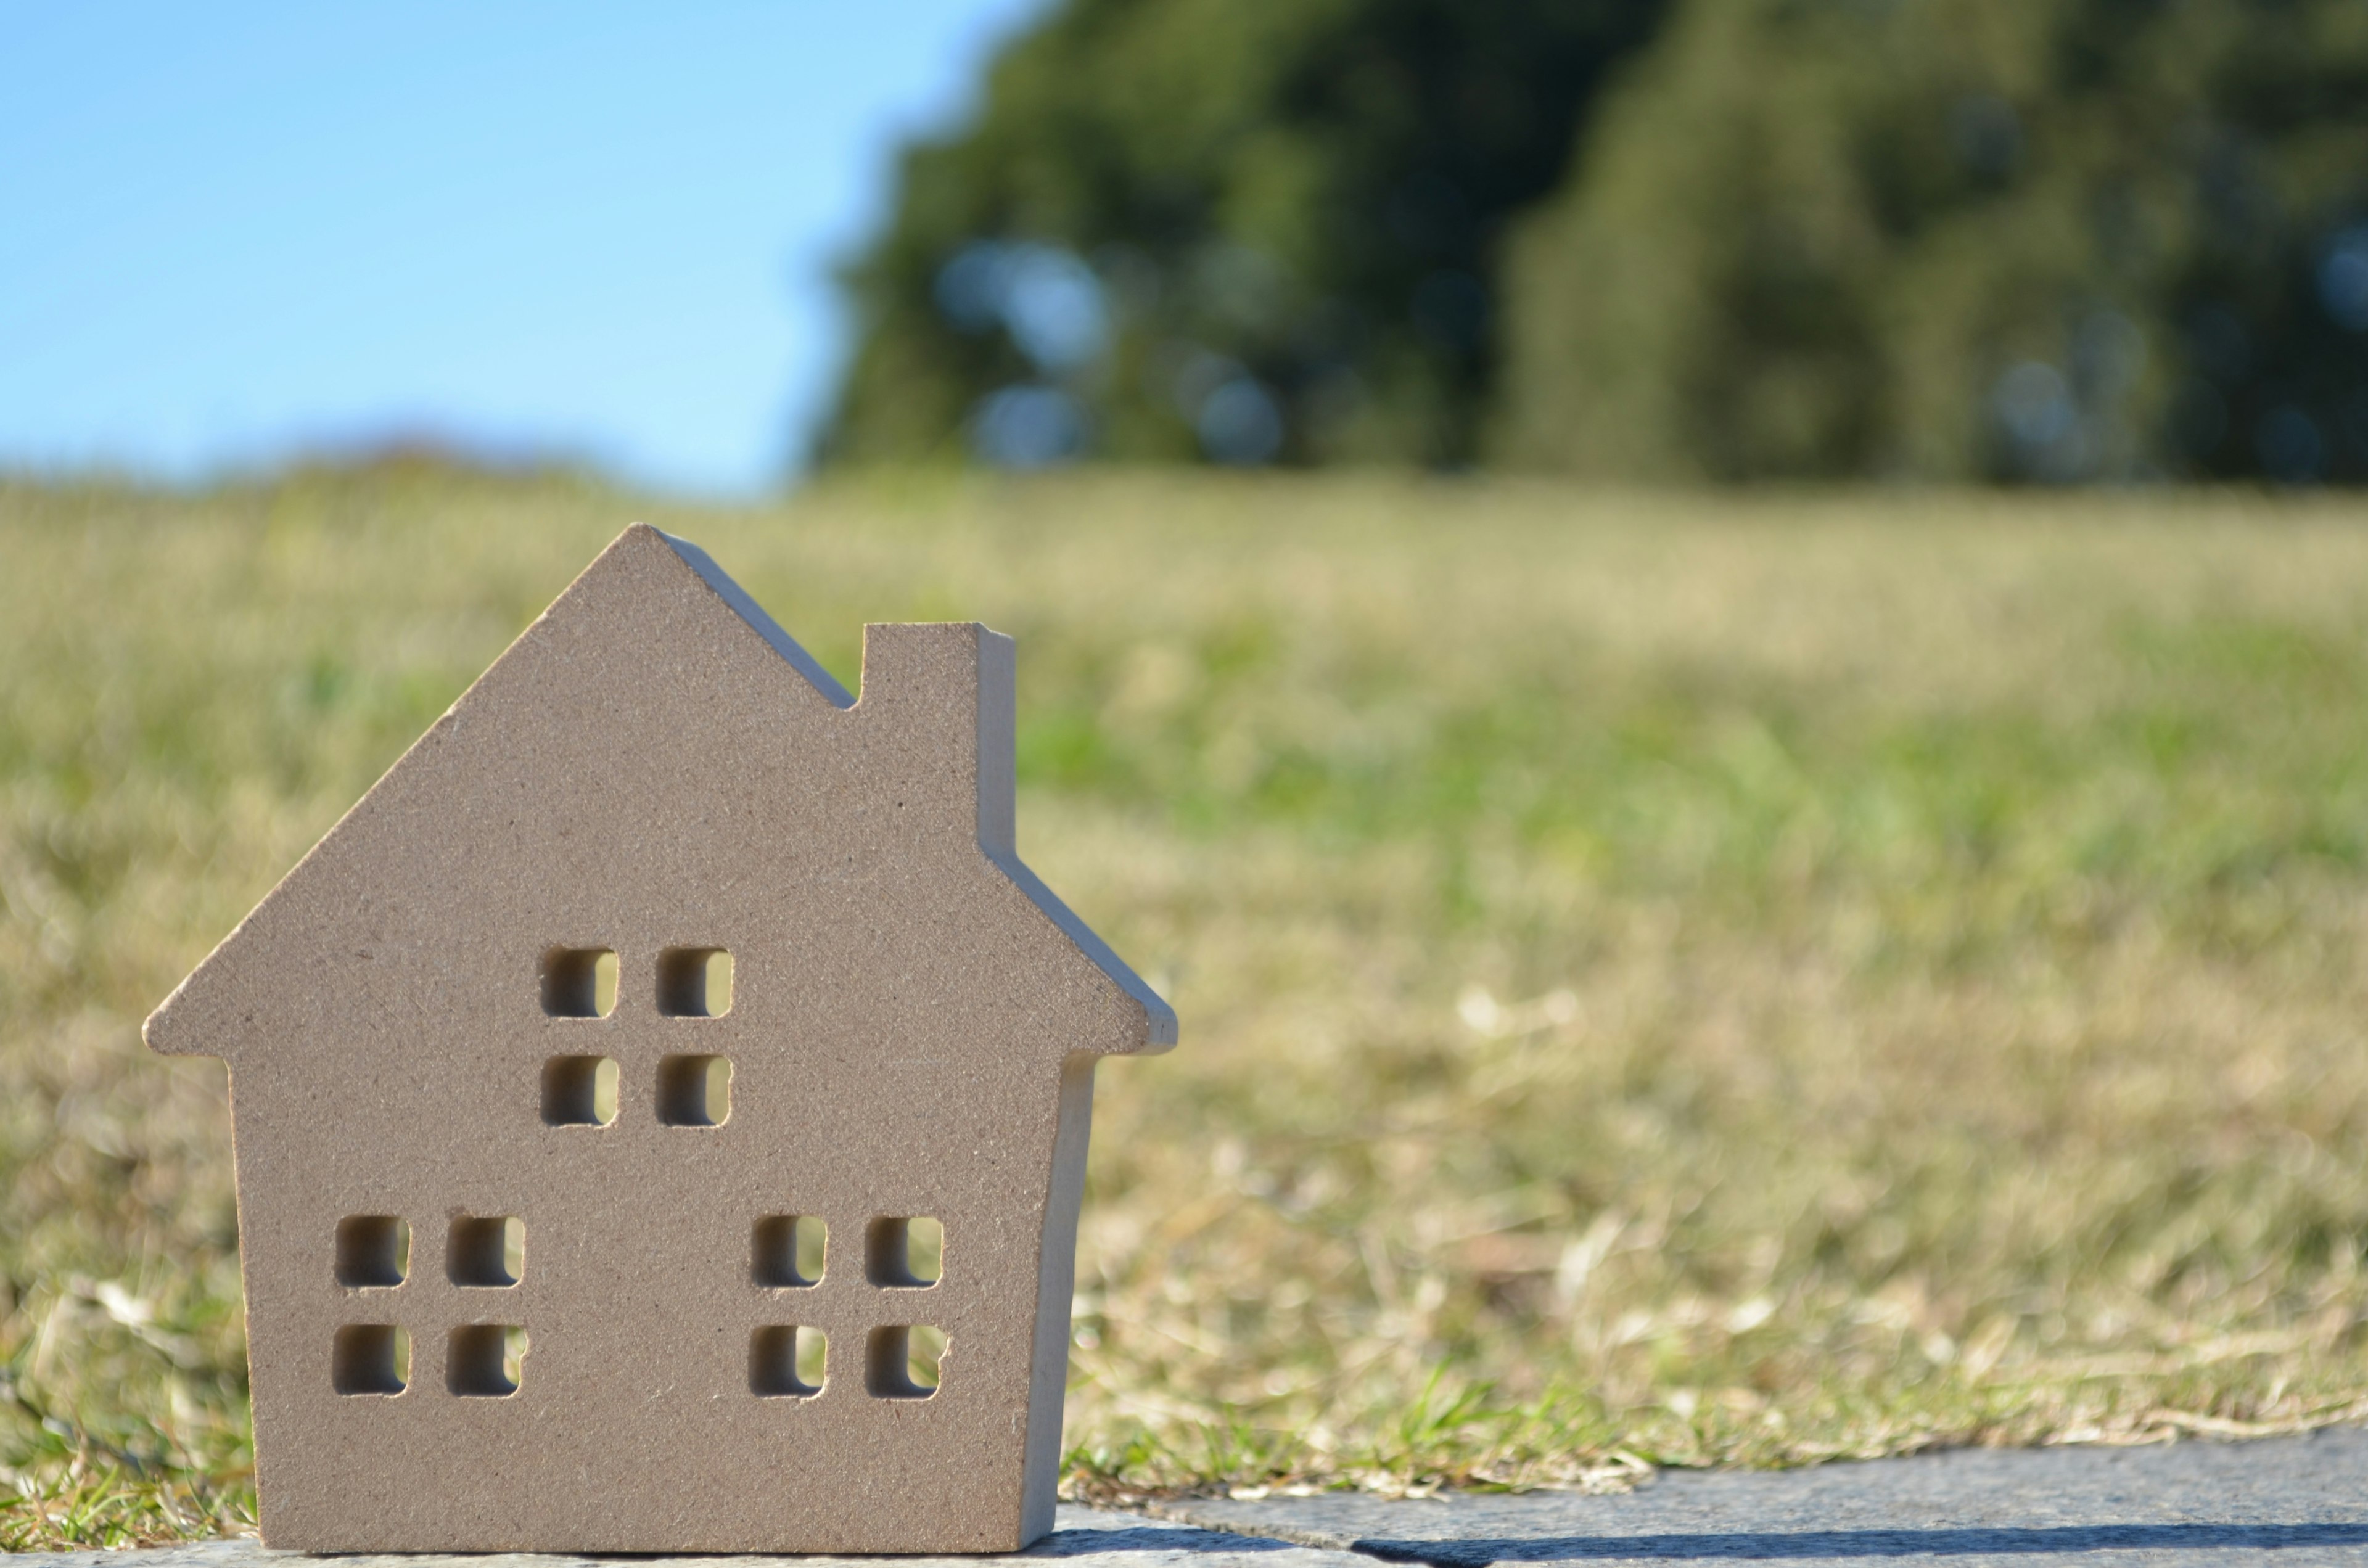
[231,233]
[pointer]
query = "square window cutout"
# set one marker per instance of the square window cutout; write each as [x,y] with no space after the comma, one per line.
[787,1362]
[694,983]
[787,1252]
[695,1091]
[579,982]
[579,1091]
[904,1253]
[373,1251]
[485,1360]
[905,1362]
[486,1252]
[371,1358]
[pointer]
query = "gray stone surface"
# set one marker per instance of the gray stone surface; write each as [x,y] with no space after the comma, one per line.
[1087,1537]
[2283,1500]
[2287,1501]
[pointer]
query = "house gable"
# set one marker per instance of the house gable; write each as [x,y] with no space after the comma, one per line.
[655,702]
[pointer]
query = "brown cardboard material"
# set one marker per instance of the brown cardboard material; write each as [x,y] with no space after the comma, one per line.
[656,771]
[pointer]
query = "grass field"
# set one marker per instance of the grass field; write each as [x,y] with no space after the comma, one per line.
[1663,980]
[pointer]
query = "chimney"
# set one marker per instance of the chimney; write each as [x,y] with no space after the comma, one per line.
[939,696]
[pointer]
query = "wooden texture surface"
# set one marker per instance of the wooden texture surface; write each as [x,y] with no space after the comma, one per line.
[655,772]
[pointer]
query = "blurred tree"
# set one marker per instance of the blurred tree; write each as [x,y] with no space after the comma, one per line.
[2053,240]
[1250,230]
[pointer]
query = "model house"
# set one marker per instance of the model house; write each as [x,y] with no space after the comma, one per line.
[661,1104]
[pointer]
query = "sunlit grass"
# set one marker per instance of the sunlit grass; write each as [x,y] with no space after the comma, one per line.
[1663,980]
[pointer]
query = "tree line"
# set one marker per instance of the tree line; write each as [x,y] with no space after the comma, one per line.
[2056,241]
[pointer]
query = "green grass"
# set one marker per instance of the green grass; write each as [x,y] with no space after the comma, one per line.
[1663,980]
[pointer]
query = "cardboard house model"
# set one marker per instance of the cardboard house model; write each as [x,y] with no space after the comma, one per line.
[640,1083]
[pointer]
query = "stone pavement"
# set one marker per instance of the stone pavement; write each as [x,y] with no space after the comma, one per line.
[1087,1536]
[2286,1502]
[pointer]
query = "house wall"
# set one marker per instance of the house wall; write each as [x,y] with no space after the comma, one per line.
[634,1427]
[645,770]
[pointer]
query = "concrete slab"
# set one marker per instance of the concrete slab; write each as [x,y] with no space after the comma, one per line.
[2290,1501]
[1086,1538]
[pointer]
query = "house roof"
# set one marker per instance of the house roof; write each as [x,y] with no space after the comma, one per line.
[656,755]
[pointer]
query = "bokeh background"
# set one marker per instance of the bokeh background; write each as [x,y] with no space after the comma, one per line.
[2064,241]
[1715,646]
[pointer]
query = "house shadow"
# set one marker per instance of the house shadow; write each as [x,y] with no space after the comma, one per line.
[1777,1545]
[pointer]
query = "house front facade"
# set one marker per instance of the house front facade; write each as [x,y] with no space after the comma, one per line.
[661,1104]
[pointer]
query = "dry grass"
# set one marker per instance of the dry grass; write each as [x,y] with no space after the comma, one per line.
[1676,980]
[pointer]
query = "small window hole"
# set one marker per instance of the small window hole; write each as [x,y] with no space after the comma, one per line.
[579,982]
[579,1091]
[485,1360]
[694,983]
[371,1358]
[788,1250]
[373,1251]
[695,1091]
[487,1252]
[786,1362]
[905,1362]
[904,1253]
